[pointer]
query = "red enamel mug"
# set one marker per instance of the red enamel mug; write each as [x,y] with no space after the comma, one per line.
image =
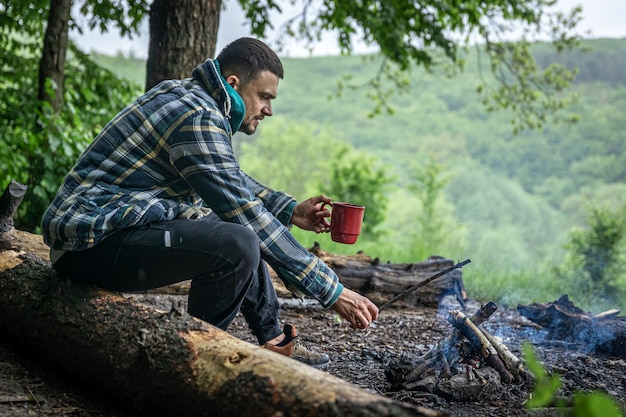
[345,222]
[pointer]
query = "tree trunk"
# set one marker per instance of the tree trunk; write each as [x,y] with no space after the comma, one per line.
[163,363]
[52,63]
[9,202]
[183,34]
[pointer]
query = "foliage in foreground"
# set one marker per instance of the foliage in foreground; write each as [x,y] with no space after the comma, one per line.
[546,389]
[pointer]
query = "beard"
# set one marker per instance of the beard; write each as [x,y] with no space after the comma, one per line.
[247,128]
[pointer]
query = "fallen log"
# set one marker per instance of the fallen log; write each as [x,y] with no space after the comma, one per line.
[164,363]
[603,333]
[381,281]
[378,281]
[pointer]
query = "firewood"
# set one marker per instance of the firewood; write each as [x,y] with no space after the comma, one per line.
[445,355]
[483,314]
[480,343]
[512,362]
[480,316]
[419,370]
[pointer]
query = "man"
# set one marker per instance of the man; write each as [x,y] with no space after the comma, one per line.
[159,198]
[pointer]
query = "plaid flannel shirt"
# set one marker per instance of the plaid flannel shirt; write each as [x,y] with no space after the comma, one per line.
[167,151]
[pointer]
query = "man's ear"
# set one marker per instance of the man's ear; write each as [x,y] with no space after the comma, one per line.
[233,80]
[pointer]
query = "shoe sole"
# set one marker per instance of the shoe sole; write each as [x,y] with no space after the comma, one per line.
[321,365]
[314,365]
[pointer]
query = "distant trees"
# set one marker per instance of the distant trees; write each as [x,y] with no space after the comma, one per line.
[53,107]
[595,265]
[304,160]
[600,62]
[183,33]
[289,156]
[428,182]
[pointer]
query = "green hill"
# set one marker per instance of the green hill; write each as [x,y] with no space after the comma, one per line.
[513,199]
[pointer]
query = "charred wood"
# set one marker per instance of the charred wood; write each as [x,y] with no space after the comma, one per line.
[481,344]
[604,333]
[442,360]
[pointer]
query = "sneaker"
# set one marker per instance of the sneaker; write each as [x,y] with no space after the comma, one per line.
[295,348]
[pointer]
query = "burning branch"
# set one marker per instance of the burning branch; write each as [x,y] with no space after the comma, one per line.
[480,343]
[445,356]
[463,352]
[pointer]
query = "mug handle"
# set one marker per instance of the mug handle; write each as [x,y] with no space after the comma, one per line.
[331,212]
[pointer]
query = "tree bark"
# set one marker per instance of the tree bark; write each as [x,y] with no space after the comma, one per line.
[52,63]
[183,34]
[163,363]
[9,202]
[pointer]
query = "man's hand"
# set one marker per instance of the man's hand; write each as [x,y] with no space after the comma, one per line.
[355,308]
[308,215]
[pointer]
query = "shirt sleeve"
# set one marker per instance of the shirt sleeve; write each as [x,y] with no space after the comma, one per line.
[281,205]
[202,154]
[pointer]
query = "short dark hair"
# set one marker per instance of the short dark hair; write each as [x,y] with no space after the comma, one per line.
[247,57]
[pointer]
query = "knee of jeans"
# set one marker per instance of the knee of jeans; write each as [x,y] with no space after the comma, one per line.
[245,244]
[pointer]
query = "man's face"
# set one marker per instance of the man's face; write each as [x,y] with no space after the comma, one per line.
[257,95]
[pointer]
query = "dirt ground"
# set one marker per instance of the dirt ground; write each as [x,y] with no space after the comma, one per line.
[364,358]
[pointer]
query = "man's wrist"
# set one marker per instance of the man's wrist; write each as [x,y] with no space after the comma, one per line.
[285,216]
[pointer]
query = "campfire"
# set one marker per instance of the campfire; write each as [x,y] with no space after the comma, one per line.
[472,364]
[466,363]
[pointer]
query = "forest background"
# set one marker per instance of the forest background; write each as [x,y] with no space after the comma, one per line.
[448,178]
[540,213]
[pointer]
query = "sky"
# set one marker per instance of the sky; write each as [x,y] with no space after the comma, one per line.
[600,18]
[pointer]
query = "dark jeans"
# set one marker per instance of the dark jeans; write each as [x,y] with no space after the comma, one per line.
[221,259]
